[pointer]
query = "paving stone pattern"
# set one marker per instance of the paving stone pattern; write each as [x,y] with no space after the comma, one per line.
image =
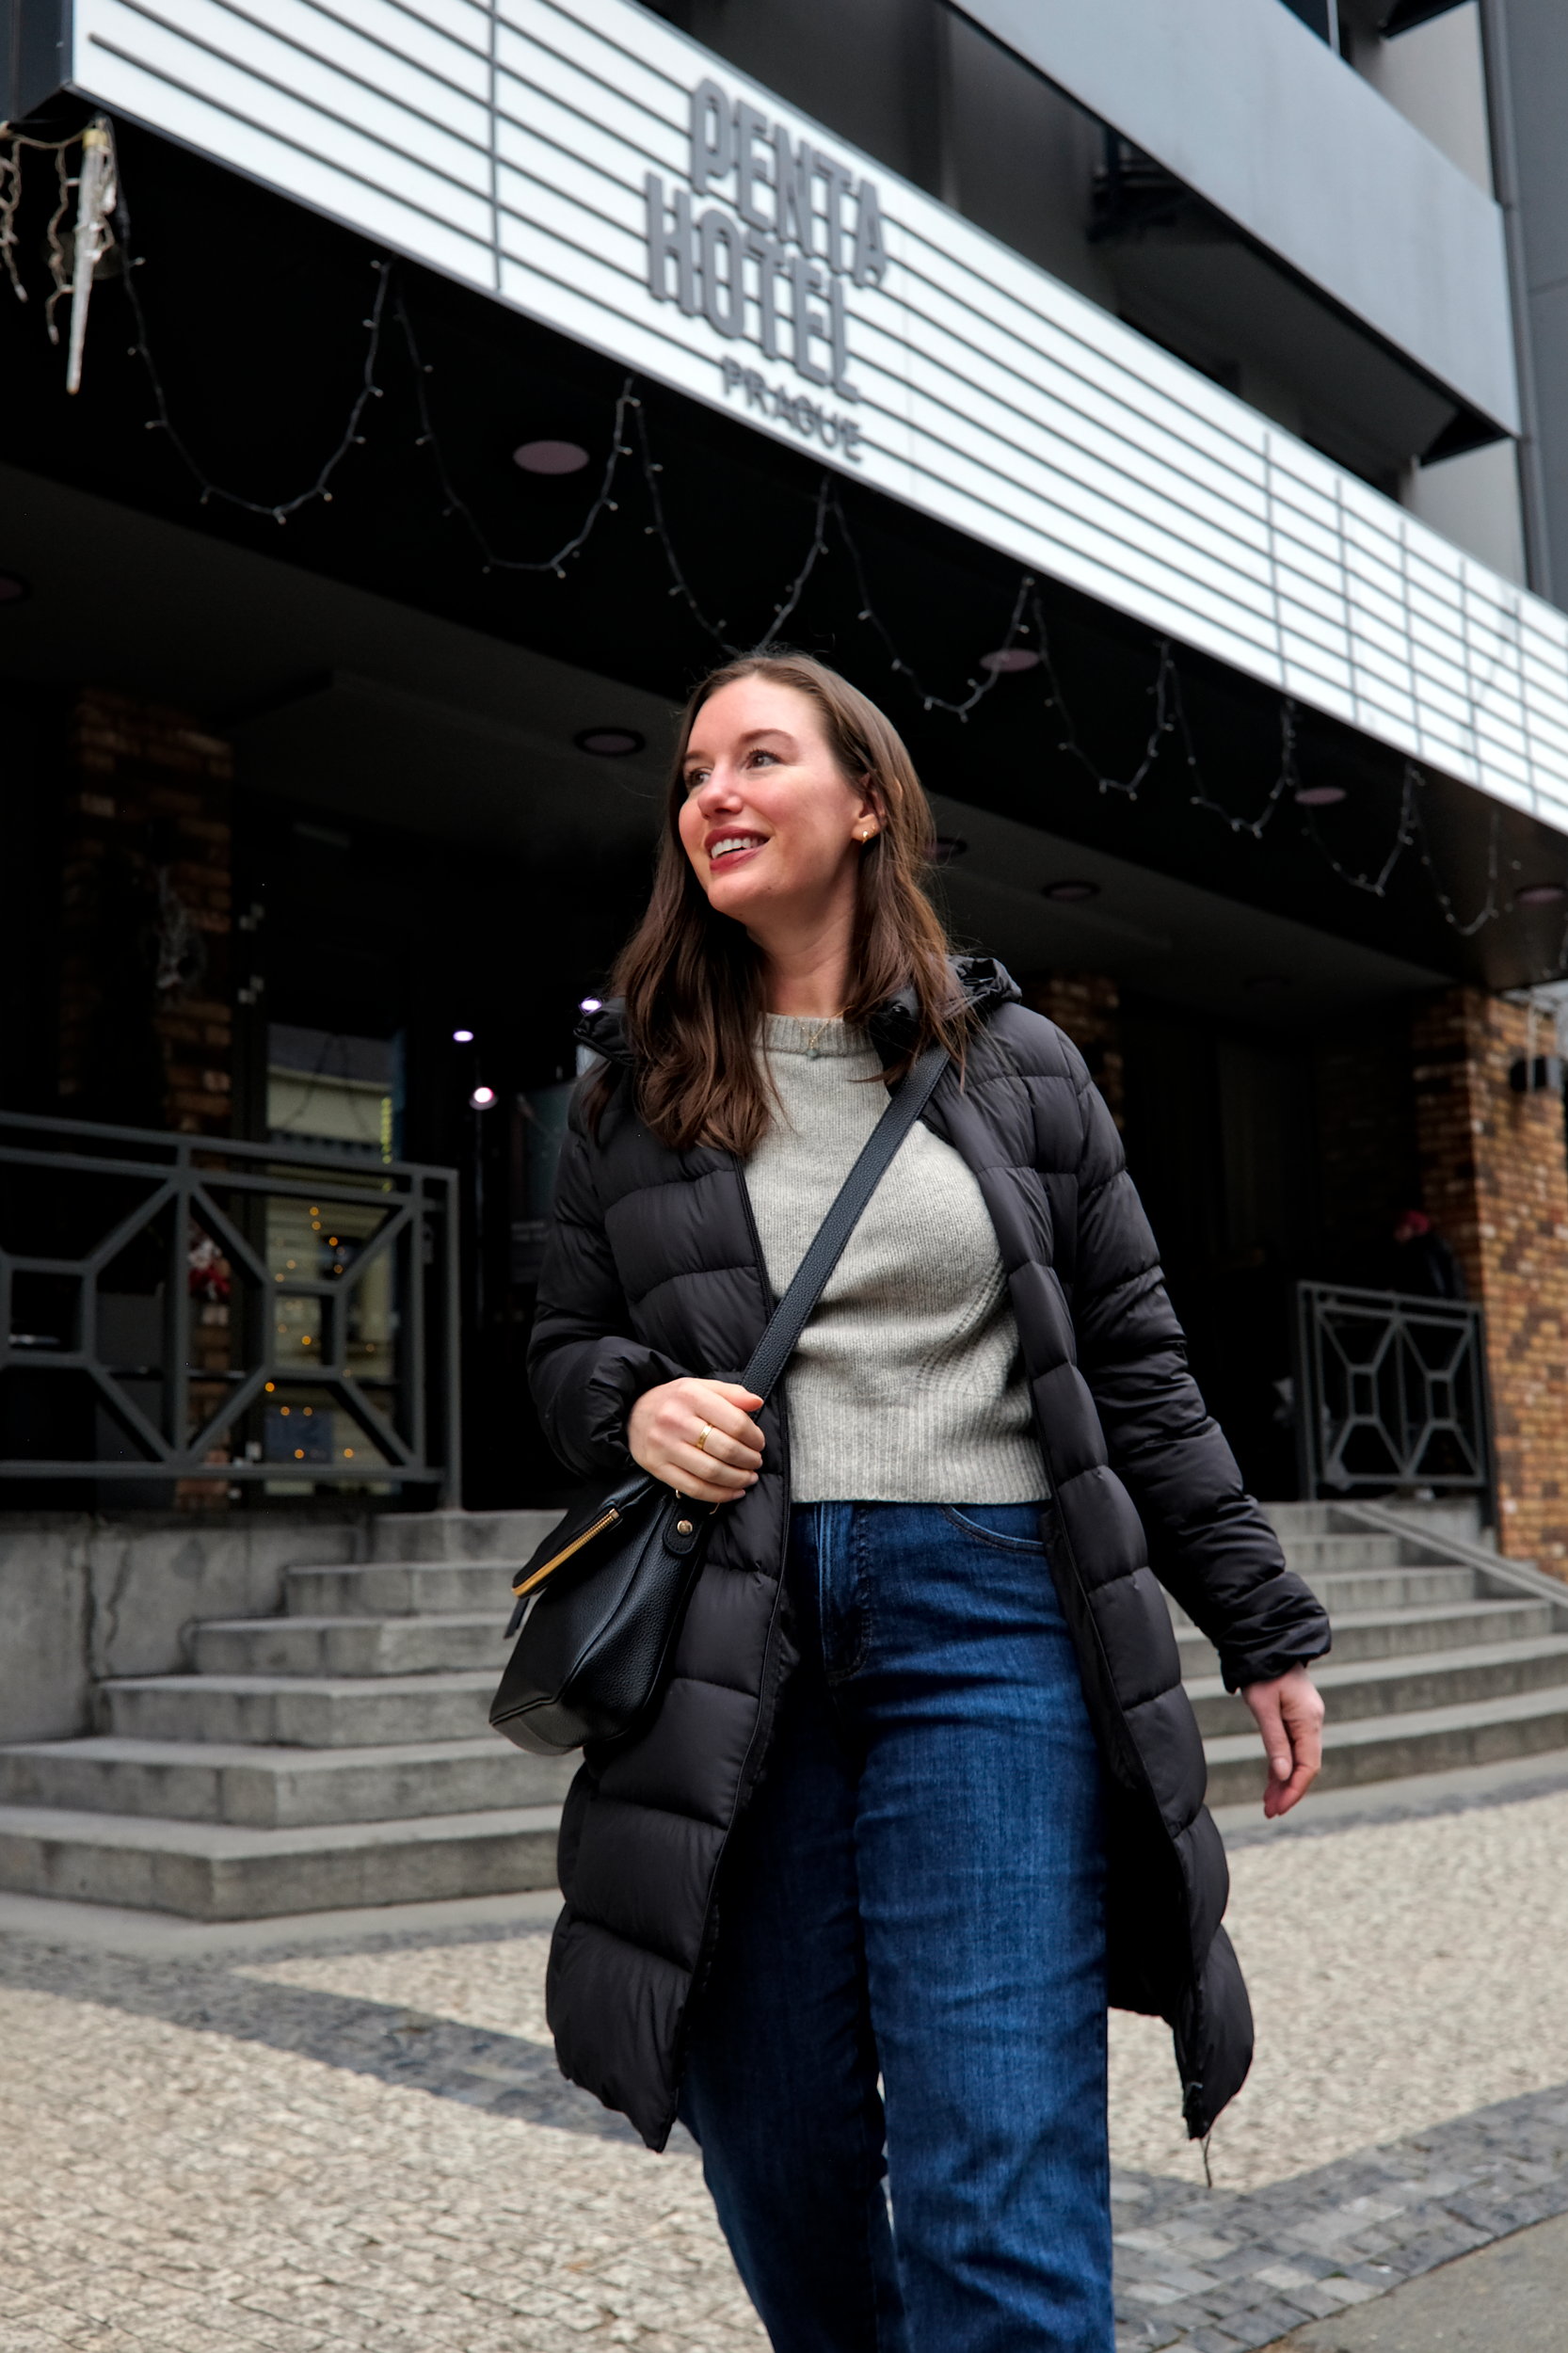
[1220,2272]
[201,2162]
[1401,1973]
[369,2144]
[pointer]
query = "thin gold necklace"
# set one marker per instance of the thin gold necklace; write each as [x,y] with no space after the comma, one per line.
[810,1048]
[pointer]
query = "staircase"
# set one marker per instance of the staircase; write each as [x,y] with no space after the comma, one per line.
[339,1755]
[1444,1656]
[335,1757]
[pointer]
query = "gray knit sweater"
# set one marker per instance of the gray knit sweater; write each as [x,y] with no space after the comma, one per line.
[908,1385]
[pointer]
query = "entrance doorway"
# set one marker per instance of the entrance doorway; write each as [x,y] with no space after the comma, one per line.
[1221,1142]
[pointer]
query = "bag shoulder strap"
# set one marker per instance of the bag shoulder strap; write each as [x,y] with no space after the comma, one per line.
[790,1317]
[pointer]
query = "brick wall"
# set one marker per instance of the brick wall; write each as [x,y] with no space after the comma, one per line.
[146,1027]
[1495,1180]
[1088,1006]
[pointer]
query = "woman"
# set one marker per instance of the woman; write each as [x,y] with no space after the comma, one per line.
[869,1832]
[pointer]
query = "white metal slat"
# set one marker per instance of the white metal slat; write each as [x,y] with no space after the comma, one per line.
[628,110]
[1175,604]
[1121,462]
[450,38]
[1135,548]
[1326,631]
[236,88]
[204,123]
[956,261]
[1049,362]
[467,21]
[619,47]
[995,399]
[436,135]
[381,51]
[1296,591]
[1303,658]
[1066,469]
[546,124]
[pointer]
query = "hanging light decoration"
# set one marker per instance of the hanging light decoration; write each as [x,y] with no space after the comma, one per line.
[97,191]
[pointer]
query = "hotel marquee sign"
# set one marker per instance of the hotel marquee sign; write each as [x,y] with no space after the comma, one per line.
[770,263]
[586,164]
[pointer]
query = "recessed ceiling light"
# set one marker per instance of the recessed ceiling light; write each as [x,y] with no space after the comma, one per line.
[1070,892]
[608,743]
[945,848]
[1547,894]
[462,1037]
[551,458]
[483,1098]
[1319,795]
[1267,983]
[13,589]
[1010,658]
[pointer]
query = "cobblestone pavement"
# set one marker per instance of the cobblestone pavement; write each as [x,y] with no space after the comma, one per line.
[1400,1972]
[345,2147]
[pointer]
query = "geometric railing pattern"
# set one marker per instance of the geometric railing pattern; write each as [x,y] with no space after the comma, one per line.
[176,1308]
[1391,1392]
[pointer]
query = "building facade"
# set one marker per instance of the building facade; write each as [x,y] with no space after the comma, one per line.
[1154,410]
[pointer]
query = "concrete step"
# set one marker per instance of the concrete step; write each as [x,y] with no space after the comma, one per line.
[1402,1687]
[349,1646]
[1291,1520]
[403,1589]
[299,1711]
[1403,1633]
[1385,1748]
[216,1871]
[1352,1593]
[1391,1587]
[1313,1556]
[277,1788]
[459,1535]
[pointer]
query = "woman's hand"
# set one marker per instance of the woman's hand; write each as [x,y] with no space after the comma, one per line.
[1290,1714]
[663,1427]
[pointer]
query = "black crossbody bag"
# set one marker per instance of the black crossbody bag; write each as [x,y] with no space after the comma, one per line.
[601,1601]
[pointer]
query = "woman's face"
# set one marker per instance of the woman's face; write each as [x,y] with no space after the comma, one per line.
[770,821]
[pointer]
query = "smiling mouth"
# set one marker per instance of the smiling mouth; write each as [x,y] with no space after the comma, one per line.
[734,845]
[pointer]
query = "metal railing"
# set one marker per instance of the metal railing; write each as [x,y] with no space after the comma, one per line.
[178,1307]
[1390,1392]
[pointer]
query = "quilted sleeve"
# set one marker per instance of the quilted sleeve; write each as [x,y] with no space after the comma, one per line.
[1209,1542]
[585,1370]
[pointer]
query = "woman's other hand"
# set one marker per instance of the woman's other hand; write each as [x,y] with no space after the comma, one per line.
[1290,1717]
[665,1423]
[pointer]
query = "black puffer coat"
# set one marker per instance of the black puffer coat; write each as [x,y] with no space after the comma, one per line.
[654,1270]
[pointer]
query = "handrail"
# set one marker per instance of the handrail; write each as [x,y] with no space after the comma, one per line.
[1391,1392]
[187,1300]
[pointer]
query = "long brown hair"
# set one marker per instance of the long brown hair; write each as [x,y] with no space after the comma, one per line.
[692,979]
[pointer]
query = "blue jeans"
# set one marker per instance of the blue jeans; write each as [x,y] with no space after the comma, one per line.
[917,1891]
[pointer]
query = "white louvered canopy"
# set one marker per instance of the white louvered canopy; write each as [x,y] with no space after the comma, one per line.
[508,145]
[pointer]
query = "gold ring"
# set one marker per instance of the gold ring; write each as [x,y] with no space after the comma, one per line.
[702,1438]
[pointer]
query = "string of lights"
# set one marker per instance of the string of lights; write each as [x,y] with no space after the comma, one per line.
[1489,909]
[1410,832]
[1025,646]
[279,510]
[17,144]
[491,560]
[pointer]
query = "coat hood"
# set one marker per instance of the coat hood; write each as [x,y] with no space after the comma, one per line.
[984,981]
